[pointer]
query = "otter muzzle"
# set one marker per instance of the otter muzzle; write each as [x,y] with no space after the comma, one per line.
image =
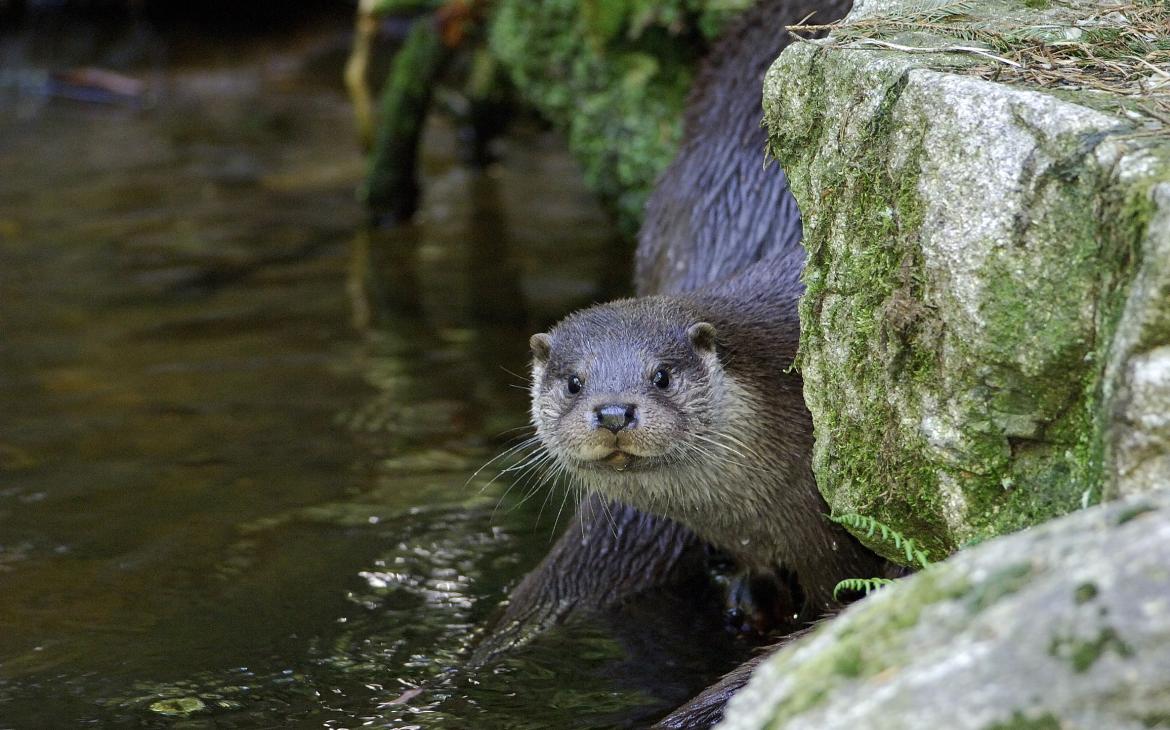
[615,416]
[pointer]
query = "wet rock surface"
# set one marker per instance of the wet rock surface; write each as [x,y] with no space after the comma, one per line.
[1066,625]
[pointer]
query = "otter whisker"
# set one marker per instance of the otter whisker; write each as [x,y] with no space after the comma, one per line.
[524,467]
[518,376]
[528,460]
[531,482]
[739,442]
[692,449]
[564,498]
[699,456]
[743,461]
[531,462]
[534,469]
[535,481]
[550,480]
[501,498]
[587,506]
[548,493]
[720,445]
[609,517]
[531,440]
[535,489]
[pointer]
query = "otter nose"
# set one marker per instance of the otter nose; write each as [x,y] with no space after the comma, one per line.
[615,416]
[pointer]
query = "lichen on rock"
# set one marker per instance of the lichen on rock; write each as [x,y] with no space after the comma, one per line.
[1066,625]
[971,250]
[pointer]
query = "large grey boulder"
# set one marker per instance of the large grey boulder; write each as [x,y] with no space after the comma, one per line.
[1066,625]
[987,325]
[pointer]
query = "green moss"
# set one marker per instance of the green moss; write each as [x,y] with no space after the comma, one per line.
[1003,582]
[869,643]
[1133,512]
[390,7]
[1155,719]
[391,187]
[1083,654]
[1021,721]
[1125,217]
[849,663]
[1031,442]
[1040,449]
[612,75]
[1085,592]
[864,294]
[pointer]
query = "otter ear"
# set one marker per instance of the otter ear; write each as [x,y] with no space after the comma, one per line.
[702,336]
[541,345]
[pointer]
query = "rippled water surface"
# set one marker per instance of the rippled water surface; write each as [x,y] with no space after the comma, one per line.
[237,428]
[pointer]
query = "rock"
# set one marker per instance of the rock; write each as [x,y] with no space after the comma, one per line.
[1066,625]
[987,322]
[178,706]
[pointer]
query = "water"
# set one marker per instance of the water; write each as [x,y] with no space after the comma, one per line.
[237,428]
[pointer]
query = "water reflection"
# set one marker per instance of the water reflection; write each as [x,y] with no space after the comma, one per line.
[236,432]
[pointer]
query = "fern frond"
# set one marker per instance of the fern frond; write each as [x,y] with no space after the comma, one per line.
[868,525]
[868,585]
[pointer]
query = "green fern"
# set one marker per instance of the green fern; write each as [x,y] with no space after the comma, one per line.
[868,585]
[868,525]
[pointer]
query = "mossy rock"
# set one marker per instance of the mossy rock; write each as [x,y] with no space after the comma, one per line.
[614,76]
[977,355]
[1066,625]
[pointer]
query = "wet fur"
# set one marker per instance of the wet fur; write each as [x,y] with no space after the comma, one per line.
[726,450]
[716,210]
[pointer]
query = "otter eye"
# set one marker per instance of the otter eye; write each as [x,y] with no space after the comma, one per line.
[574,385]
[661,378]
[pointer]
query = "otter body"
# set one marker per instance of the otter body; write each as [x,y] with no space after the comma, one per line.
[686,406]
[718,208]
[713,213]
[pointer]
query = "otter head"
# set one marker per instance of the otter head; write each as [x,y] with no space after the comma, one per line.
[625,388]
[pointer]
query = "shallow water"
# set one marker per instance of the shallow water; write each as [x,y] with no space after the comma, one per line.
[237,428]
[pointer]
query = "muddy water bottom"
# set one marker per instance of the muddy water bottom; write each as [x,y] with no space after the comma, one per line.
[238,428]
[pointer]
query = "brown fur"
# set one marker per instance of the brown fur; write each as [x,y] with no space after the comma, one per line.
[718,208]
[725,449]
[714,212]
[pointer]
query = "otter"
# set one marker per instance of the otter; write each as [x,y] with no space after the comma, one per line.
[713,213]
[687,406]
